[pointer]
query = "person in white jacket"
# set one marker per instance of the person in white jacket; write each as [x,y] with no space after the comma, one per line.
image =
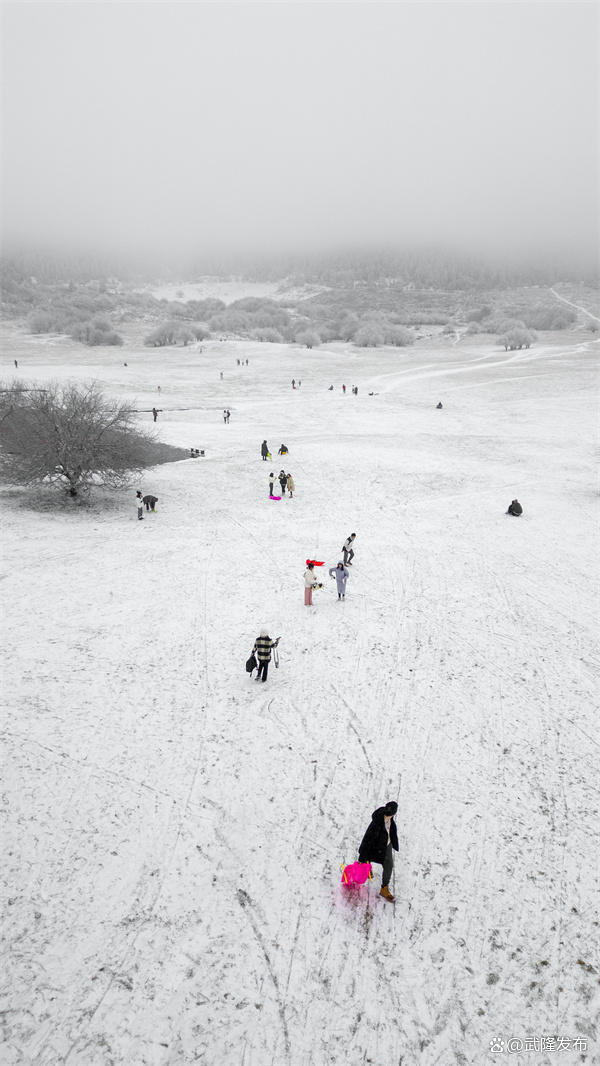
[139,503]
[271,483]
[310,582]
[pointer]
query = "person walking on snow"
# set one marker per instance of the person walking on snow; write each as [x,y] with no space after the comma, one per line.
[282,481]
[262,647]
[341,576]
[515,508]
[271,483]
[140,506]
[293,383]
[290,484]
[344,389]
[348,550]
[379,844]
[154,413]
[264,451]
[310,582]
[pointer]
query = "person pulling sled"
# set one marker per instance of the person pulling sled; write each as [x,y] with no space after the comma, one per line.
[379,844]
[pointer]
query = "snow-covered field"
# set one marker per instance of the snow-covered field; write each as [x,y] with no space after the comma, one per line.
[172,862]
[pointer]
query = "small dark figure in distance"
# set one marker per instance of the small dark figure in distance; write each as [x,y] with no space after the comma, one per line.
[515,508]
[341,576]
[283,450]
[262,647]
[264,451]
[154,413]
[283,481]
[150,502]
[139,503]
[238,362]
[439,407]
[330,389]
[344,389]
[246,362]
[228,413]
[348,550]
[124,364]
[379,844]
[17,365]
[293,383]
[193,453]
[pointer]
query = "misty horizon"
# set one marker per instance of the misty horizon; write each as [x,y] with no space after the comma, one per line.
[185,130]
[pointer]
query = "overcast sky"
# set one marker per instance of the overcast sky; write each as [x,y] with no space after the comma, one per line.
[291,124]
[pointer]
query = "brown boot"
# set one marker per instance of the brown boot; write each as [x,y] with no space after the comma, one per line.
[385,892]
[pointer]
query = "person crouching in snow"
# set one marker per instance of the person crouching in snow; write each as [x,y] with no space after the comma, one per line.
[341,576]
[515,508]
[379,844]
[310,582]
[290,484]
[262,647]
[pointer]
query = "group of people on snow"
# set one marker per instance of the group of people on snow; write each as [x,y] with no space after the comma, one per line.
[286,481]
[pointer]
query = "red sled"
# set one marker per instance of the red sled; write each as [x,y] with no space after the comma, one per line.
[356,873]
[314,562]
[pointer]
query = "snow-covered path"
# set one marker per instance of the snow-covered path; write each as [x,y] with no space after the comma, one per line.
[171,881]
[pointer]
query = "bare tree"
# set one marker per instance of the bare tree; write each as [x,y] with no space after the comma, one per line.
[309,337]
[516,338]
[71,436]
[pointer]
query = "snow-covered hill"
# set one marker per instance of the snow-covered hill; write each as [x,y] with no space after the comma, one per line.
[172,862]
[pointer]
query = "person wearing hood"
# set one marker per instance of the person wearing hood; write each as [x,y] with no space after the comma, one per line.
[439,406]
[262,647]
[515,508]
[282,481]
[379,844]
[310,582]
[341,576]
[264,451]
[290,484]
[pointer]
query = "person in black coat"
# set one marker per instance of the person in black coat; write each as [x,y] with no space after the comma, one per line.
[379,844]
[515,508]
[264,450]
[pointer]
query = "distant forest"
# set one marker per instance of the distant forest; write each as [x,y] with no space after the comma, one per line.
[424,269]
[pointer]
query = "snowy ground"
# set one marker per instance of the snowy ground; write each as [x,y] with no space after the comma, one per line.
[171,874]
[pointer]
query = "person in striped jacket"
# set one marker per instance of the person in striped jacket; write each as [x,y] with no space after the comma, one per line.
[262,647]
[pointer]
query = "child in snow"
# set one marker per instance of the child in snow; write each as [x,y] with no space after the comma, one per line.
[515,508]
[283,450]
[282,481]
[379,844]
[271,483]
[310,582]
[262,647]
[139,503]
[341,576]
[290,484]
[348,550]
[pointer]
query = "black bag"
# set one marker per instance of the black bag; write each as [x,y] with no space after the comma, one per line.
[251,664]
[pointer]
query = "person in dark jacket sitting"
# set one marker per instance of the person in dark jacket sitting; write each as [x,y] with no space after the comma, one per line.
[262,647]
[379,844]
[515,508]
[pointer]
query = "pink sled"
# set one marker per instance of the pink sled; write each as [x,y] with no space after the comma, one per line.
[356,873]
